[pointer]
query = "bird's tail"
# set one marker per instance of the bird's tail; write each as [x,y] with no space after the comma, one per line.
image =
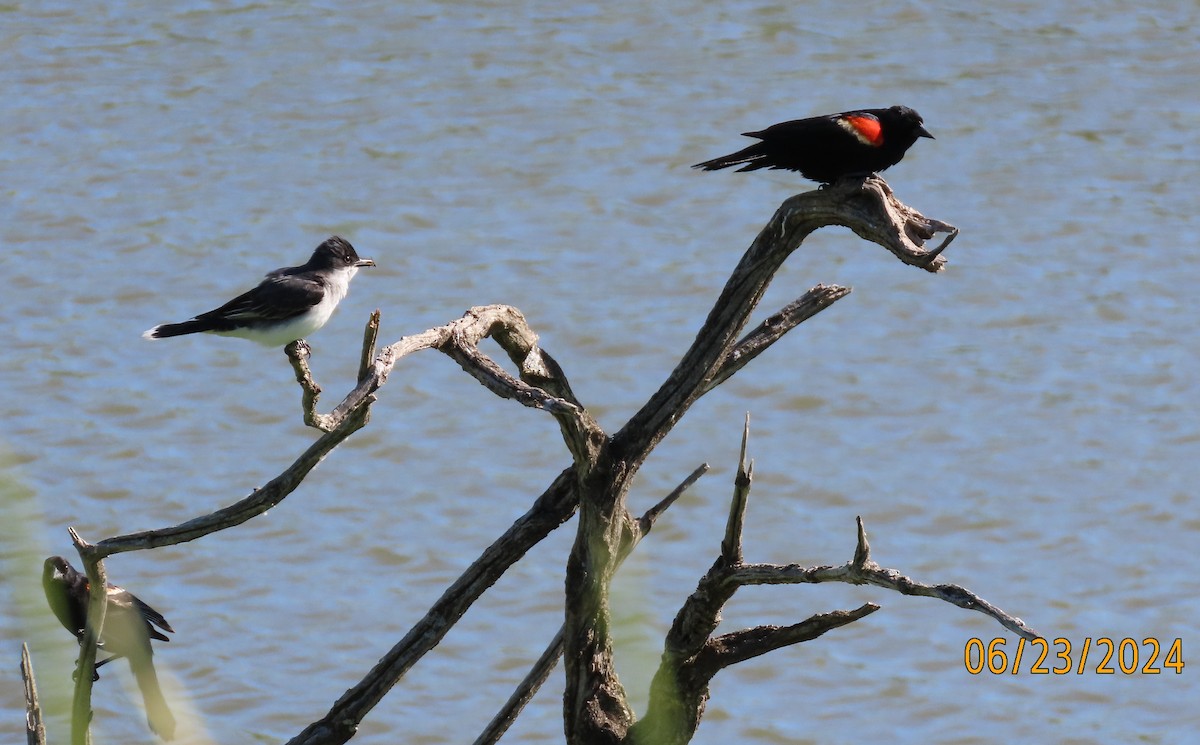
[158,715]
[164,330]
[747,157]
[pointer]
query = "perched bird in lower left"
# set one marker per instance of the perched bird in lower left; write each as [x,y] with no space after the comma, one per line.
[289,304]
[129,625]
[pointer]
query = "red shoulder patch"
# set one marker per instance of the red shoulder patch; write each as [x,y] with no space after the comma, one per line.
[866,128]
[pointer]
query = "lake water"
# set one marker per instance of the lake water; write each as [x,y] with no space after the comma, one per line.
[1023,424]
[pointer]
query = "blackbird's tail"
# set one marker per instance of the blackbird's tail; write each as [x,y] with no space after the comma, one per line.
[158,715]
[748,157]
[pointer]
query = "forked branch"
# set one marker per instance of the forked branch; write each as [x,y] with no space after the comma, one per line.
[597,482]
[692,654]
[595,704]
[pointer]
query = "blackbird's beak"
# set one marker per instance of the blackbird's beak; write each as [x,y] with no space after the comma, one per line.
[922,132]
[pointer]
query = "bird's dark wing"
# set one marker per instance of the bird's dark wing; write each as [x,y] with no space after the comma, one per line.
[153,618]
[279,297]
[799,130]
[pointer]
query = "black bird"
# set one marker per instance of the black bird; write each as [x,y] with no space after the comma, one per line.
[289,304]
[831,147]
[128,628]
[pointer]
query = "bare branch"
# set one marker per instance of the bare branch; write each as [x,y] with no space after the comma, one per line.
[545,663]
[646,521]
[596,708]
[253,505]
[772,330]
[862,552]
[873,574]
[692,655]
[370,339]
[35,728]
[731,546]
[862,570]
[542,384]
[550,510]
[298,353]
[524,693]
[868,208]
[902,230]
[738,646]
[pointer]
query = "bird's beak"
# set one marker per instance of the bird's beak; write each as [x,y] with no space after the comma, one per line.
[922,132]
[364,262]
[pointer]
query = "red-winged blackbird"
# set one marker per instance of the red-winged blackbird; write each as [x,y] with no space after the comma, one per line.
[827,148]
[128,628]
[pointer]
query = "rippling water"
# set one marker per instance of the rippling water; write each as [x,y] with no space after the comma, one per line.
[1023,424]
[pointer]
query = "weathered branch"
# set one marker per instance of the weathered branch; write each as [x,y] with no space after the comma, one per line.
[542,383]
[549,658]
[870,210]
[35,728]
[554,507]
[646,521]
[862,570]
[738,646]
[298,353]
[772,330]
[731,546]
[596,709]
[251,506]
[370,339]
[692,655]
[595,706]
[900,228]
[524,692]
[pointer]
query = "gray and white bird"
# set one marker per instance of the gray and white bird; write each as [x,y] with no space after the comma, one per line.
[289,304]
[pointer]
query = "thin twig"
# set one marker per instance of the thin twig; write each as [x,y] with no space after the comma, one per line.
[862,570]
[731,546]
[35,728]
[298,353]
[646,521]
[257,503]
[524,692]
[370,339]
[773,329]
[550,510]
[738,646]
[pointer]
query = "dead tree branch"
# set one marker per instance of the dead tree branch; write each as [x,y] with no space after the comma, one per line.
[692,655]
[862,570]
[596,709]
[35,728]
[554,507]
[597,482]
[549,658]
